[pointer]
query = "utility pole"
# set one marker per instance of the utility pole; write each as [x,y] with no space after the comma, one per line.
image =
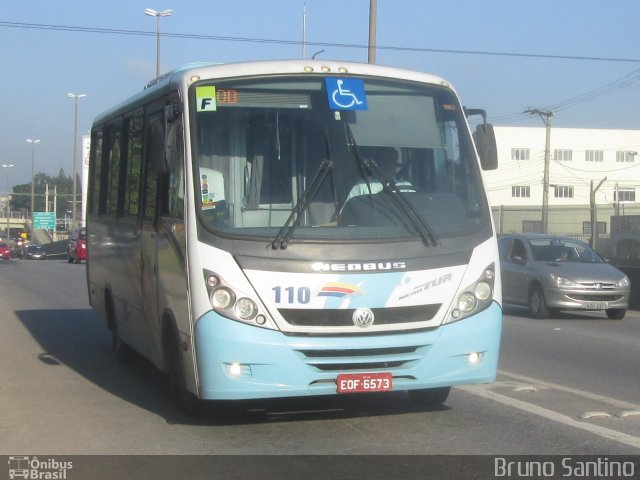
[304,31]
[545,115]
[594,217]
[373,19]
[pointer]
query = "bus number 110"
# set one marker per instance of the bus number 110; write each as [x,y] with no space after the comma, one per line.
[292,294]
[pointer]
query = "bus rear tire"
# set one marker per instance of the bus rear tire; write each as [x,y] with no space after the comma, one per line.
[120,348]
[430,397]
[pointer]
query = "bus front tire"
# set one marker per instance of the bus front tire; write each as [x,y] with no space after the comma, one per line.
[186,401]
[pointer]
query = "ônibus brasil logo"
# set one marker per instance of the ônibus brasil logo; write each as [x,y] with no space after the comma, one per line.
[38,469]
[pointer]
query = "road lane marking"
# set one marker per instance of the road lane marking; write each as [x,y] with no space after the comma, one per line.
[483,391]
[591,396]
[594,414]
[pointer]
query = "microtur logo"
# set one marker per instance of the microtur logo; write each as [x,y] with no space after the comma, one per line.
[38,469]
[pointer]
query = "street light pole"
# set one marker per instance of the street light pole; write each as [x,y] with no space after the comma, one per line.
[7,167]
[154,13]
[75,98]
[33,174]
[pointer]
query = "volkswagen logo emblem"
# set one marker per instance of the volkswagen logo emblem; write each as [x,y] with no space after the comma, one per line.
[362,317]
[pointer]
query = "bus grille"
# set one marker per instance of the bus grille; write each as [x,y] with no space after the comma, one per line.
[343,317]
[361,359]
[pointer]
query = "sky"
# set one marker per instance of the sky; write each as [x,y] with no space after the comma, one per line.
[578,58]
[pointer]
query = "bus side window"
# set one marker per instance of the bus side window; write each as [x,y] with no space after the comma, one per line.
[175,163]
[154,157]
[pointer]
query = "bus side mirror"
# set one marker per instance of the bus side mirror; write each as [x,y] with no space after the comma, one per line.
[485,140]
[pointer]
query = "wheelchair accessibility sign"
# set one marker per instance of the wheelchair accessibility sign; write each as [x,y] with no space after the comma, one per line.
[346,94]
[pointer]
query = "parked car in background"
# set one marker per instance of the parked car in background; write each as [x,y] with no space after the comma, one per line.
[77,246]
[34,252]
[548,273]
[5,250]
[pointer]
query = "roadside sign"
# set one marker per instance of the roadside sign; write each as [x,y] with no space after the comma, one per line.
[46,220]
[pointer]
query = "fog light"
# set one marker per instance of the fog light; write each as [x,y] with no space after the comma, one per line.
[474,357]
[235,369]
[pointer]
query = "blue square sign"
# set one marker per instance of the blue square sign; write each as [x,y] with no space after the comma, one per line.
[346,93]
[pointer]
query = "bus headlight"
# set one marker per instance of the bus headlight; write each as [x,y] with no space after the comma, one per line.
[222,298]
[246,308]
[232,303]
[466,302]
[474,298]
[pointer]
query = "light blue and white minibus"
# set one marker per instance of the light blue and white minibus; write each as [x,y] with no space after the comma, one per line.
[292,228]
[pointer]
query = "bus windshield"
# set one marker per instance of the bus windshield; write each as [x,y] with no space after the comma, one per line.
[340,159]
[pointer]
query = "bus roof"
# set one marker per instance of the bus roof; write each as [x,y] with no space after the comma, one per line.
[206,70]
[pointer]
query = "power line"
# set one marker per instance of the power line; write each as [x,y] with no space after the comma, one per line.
[112,31]
[622,82]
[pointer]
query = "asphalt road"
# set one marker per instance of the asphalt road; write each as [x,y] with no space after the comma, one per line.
[566,386]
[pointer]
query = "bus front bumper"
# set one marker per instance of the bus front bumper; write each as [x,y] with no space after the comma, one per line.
[238,361]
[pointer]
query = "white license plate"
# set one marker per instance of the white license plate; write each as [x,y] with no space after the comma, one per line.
[595,306]
[364,382]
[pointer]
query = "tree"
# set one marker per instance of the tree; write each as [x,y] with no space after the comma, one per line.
[62,185]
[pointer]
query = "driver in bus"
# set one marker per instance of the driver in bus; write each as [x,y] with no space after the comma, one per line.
[387,159]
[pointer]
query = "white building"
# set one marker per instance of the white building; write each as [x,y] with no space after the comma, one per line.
[577,157]
[607,161]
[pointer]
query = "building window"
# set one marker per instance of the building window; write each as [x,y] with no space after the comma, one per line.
[624,195]
[521,191]
[520,154]
[628,157]
[562,191]
[594,155]
[601,228]
[561,155]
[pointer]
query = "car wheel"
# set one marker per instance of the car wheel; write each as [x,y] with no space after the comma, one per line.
[537,303]
[616,313]
[430,397]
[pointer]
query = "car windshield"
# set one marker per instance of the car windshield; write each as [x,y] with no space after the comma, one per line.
[563,250]
[272,147]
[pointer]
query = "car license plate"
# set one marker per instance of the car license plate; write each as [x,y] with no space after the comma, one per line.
[364,382]
[596,306]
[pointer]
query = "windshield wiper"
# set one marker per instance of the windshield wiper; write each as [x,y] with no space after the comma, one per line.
[425,231]
[281,241]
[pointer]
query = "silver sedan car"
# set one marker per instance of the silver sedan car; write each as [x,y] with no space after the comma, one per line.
[548,273]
